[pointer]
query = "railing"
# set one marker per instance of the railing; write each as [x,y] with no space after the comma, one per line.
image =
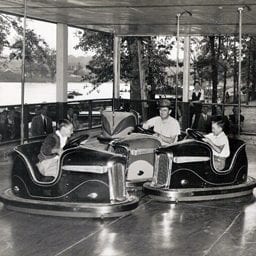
[89,114]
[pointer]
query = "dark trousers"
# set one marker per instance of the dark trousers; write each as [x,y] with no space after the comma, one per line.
[195,110]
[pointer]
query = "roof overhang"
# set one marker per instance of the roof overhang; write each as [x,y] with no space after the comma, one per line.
[142,17]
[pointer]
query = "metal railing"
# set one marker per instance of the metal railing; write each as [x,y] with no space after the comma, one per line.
[88,114]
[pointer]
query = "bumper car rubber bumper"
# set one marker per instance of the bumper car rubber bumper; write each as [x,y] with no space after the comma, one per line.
[200,194]
[68,209]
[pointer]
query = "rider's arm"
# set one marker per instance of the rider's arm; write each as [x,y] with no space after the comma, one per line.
[168,140]
[217,148]
[149,124]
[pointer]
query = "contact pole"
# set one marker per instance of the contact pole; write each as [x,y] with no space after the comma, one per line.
[116,68]
[23,73]
[177,65]
[240,10]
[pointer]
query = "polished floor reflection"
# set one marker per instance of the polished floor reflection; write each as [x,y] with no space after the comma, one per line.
[217,228]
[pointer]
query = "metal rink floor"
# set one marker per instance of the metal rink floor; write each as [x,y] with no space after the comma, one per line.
[216,228]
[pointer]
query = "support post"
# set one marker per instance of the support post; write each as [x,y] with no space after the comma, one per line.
[240,10]
[61,68]
[177,65]
[186,79]
[142,81]
[186,72]
[23,73]
[116,57]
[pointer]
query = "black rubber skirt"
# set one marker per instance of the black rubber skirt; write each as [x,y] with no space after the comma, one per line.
[199,194]
[68,209]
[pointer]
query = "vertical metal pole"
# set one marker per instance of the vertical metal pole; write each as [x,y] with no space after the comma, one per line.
[177,65]
[116,80]
[61,70]
[185,89]
[186,72]
[23,73]
[142,80]
[116,57]
[240,10]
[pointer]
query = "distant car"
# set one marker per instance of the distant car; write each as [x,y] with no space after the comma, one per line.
[185,172]
[90,183]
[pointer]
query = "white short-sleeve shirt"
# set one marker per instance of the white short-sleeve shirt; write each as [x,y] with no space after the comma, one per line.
[169,127]
[220,140]
[63,140]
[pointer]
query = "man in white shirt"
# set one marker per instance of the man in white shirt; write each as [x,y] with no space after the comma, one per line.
[166,128]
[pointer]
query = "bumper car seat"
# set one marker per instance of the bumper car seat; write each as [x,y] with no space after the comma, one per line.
[116,124]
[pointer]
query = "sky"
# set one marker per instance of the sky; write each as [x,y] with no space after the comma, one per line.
[47,31]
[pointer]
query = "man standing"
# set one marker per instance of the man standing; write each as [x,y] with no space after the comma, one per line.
[196,104]
[166,128]
[41,124]
[205,121]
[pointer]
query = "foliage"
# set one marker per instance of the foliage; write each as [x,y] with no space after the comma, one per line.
[39,58]
[4,31]
[216,59]
[154,51]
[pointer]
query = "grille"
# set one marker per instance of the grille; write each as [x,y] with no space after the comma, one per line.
[118,182]
[163,167]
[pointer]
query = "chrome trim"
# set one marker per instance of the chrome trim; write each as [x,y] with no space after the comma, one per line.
[170,157]
[112,180]
[85,168]
[31,171]
[156,169]
[190,159]
[141,151]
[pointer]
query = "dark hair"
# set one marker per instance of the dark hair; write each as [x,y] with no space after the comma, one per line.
[64,123]
[219,121]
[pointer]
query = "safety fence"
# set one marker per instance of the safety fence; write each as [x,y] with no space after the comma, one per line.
[87,114]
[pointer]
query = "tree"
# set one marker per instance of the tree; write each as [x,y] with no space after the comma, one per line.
[5,25]
[154,53]
[39,58]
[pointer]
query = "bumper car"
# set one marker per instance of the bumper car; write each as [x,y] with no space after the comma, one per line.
[117,124]
[185,171]
[90,183]
[139,150]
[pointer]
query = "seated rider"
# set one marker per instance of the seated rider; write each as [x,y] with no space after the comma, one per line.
[52,147]
[218,141]
[166,128]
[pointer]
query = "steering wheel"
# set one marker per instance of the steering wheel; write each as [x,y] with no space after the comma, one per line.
[140,129]
[195,134]
[76,141]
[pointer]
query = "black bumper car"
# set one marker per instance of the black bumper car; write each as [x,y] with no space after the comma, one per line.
[185,172]
[90,183]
